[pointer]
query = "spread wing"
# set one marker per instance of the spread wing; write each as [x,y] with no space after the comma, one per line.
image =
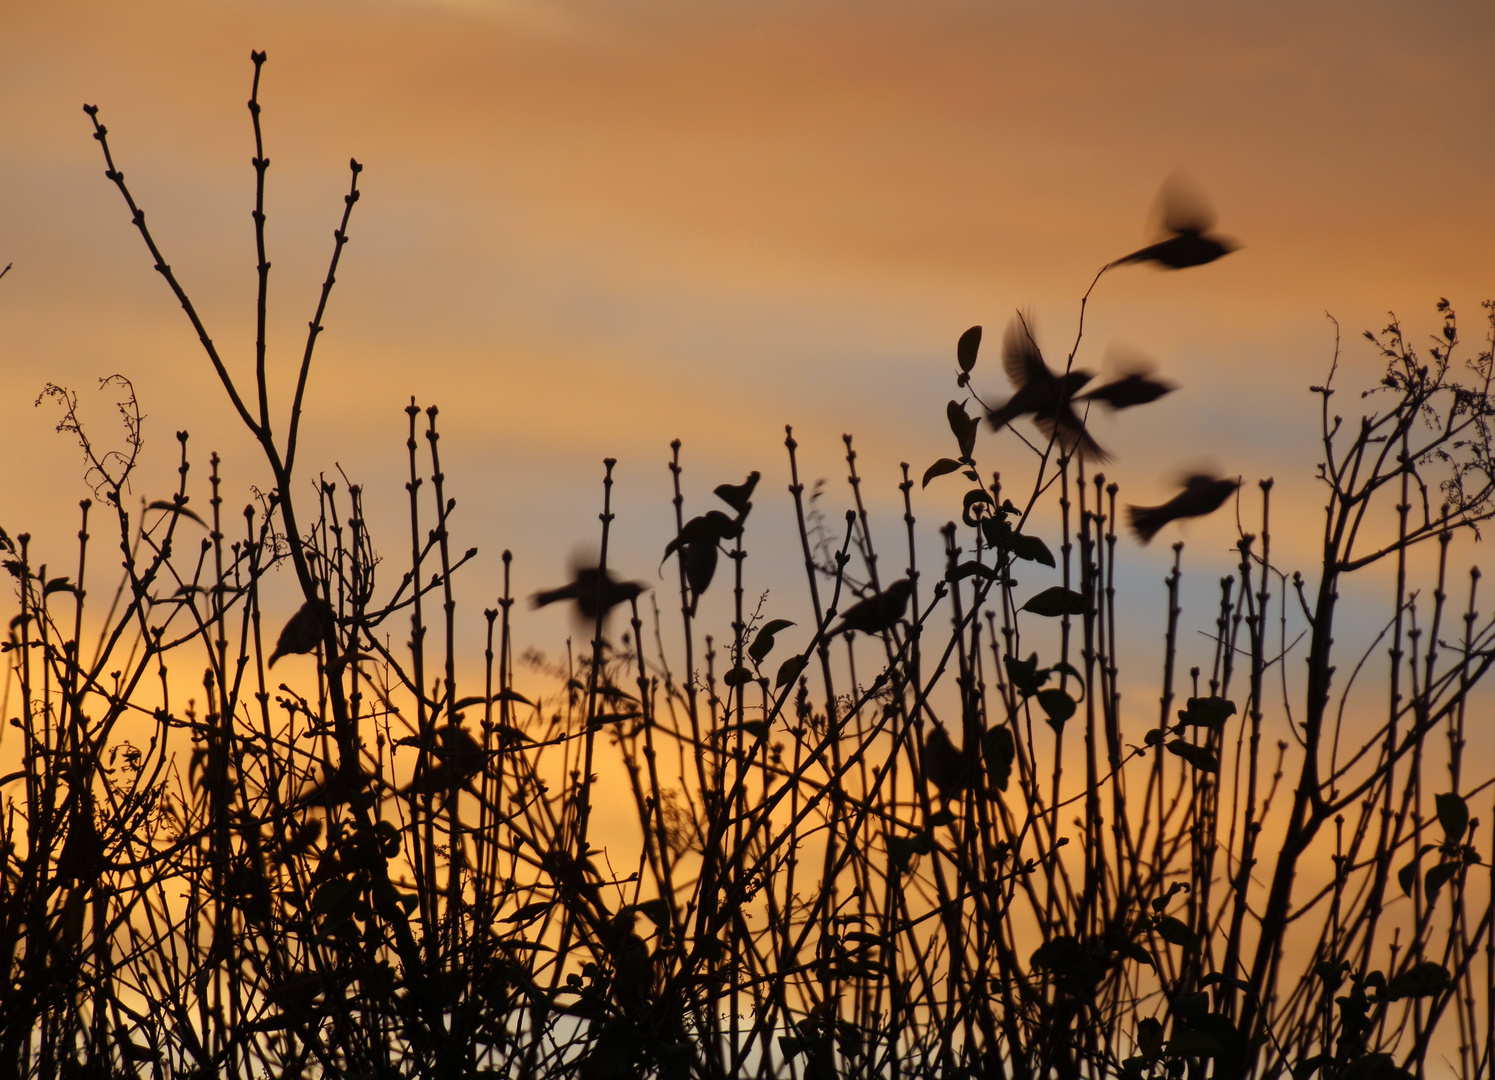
[1072,434]
[1182,205]
[1020,356]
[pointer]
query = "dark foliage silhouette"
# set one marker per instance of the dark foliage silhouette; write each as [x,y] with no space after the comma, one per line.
[753,848]
[304,631]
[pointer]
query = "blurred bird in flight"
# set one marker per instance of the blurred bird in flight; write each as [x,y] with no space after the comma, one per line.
[1202,494]
[1187,218]
[1039,391]
[878,612]
[1133,385]
[592,589]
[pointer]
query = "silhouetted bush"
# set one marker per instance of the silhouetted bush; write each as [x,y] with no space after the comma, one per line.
[870,871]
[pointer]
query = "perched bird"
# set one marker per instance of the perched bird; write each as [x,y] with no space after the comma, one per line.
[1187,218]
[459,758]
[877,613]
[737,495]
[304,632]
[1039,391]
[593,589]
[1202,494]
[947,768]
[338,786]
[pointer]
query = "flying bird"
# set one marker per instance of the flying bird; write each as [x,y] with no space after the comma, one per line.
[1202,494]
[592,589]
[877,613]
[304,632]
[459,758]
[1045,395]
[1187,218]
[1129,390]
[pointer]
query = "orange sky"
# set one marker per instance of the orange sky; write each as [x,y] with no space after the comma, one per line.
[588,228]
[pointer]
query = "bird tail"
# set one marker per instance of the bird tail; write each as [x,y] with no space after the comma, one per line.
[1072,436]
[1147,520]
[1000,417]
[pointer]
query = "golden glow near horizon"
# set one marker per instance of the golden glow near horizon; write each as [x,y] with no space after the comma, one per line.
[587,229]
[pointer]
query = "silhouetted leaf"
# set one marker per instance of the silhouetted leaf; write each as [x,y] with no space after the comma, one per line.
[1453,815]
[1061,954]
[941,818]
[966,348]
[1058,705]
[1150,1036]
[1025,674]
[763,644]
[1134,950]
[939,468]
[657,912]
[528,913]
[1438,876]
[973,498]
[1194,1044]
[969,569]
[1421,980]
[1206,711]
[1030,548]
[756,728]
[998,749]
[902,849]
[1201,757]
[789,671]
[738,676]
[1056,600]
[60,584]
[173,508]
[964,427]
[1374,1067]
[1175,932]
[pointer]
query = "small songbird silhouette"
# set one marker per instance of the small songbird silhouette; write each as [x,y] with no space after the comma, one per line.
[591,589]
[304,632]
[1039,391]
[1202,494]
[458,758]
[1187,218]
[878,612]
[1129,390]
[947,768]
[737,495]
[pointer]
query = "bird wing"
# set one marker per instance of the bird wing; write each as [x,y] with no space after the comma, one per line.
[1182,205]
[1021,358]
[1072,434]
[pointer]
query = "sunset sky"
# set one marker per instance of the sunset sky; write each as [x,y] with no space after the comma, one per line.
[589,228]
